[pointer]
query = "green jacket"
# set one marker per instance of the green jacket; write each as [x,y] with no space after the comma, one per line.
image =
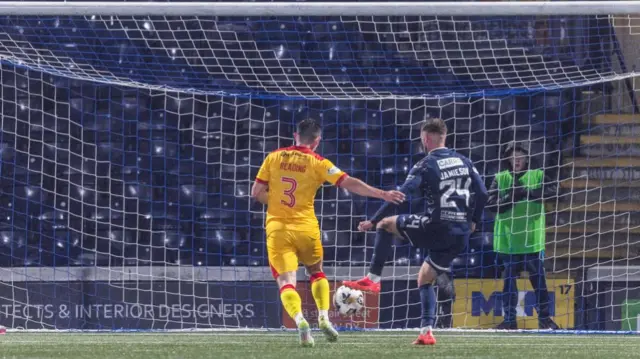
[520,220]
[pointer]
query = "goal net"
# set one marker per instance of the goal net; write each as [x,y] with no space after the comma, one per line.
[129,144]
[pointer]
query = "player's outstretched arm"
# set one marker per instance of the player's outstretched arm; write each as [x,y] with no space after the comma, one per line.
[358,187]
[413,181]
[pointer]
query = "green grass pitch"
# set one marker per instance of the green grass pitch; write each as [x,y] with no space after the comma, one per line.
[282,345]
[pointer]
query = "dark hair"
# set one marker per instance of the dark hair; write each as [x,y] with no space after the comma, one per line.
[516,146]
[435,126]
[308,130]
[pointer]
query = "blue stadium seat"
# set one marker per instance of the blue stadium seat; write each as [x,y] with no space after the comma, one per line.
[481,242]
[328,148]
[192,194]
[171,172]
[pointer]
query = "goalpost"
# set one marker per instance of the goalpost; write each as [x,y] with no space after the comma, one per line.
[132,131]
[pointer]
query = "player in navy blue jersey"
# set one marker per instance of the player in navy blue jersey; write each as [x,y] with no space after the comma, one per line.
[455,197]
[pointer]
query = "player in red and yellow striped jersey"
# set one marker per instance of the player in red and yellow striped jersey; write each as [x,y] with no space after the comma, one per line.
[287,183]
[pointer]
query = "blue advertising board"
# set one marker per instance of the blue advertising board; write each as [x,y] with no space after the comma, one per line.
[141,305]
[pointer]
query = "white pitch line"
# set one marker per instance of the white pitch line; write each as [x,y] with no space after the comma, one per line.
[267,335]
[412,334]
[339,343]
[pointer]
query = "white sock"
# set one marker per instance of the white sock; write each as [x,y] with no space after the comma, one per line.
[374,277]
[298,318]
[425,330]
[323,315]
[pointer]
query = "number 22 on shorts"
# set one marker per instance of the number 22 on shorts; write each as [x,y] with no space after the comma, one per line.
[293,184]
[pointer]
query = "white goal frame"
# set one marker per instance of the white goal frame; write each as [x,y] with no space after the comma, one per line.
[459,8]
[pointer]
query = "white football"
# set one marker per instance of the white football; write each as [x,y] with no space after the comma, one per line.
[348,301]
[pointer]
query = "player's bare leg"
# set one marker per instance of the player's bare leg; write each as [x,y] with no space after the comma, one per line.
[293,305]
[386,229]
[426,277]
[321,294]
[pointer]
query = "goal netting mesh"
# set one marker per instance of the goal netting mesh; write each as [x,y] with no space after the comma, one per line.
[129,145]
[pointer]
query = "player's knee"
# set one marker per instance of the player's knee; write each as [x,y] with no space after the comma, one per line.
[426,275]
[384,224]
[285,279]
[423,280]
[315,268]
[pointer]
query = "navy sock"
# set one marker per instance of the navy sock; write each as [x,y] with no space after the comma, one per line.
[380,251]
[428,301]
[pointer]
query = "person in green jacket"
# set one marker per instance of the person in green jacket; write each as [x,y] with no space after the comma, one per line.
[517,195]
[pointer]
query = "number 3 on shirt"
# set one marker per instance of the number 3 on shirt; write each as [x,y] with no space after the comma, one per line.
[289,192]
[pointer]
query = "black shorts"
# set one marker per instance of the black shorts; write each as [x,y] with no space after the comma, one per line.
[441,246]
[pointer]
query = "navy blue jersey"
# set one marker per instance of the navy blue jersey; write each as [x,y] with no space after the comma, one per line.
[451,187]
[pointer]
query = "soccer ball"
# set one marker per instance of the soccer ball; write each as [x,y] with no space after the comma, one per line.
[348,301]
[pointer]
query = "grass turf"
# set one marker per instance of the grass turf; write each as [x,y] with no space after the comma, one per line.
[262,345]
